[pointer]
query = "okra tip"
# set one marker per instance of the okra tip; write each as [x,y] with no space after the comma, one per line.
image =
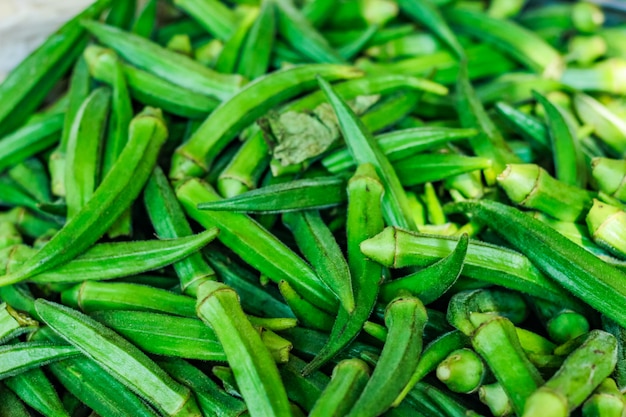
[518,181]
[382,247]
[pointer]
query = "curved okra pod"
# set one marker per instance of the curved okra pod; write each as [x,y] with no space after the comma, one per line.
[29,140]
[401,144]
[529,127]
[465,304]
[175,68]
[346,384]
[462,371]
[609,127]
[147,88]
[121,258]
[255,245]
[13,323]
[162,334]
[397,248]
[420,169]
[497,342]
[433,354]
[569,162]
[169,221]
[405,318]
[606,400]
[431,282]
[34,388]
[318,245]
[120,358]
[304,194]
[610,176]
[307,313]
[30,82]
[114,195]
[254,60]
[93,296]
[365,149]
[365,219]
[522,44]
[582,371]
[195,157]
[253,366]
[606,225]
[227,60]
[20,357]
[581,273]
[212,399]
[531,186]
[214,16]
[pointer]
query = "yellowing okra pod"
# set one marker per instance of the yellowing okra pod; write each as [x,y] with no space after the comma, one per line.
[405,317]
[253,366]
[320,248]
[31,81]
[397,248]
[304,194]
[573,383]
[581,273]
[20,357]
[162,334]
[114,195]
[123,259]
[364,149]
[120,358]
[432,282]
[149,89]
[83,151]
[365,219]
[29,140]
[169,221]
[93,296]
[348,380]
[34,388]
[177,69]
[256,246]
[196,156]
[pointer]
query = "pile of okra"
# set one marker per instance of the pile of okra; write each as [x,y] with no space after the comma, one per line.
[274,208]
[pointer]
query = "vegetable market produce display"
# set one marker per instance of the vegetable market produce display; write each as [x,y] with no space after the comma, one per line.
[403,208]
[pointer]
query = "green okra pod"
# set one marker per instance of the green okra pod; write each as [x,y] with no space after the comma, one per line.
[93,296]
[405,317]
[531,186]
[462,371]
[212,399]
[494,397]
[13,323]
[257,246]
[214,16]
[196,156]
[397,248]
[610,176]
[307,313]
[246,167]
[120,358]
[497,343]
[606,226]
[304,194]
[30,82]
[144,24]
[229,56]
[431,282]
[114,195]
[569,163]
[574,382]
[365,219]
[166,335]
[34,388]
[609,127]
[257,49]
[348,380]
[32,175]
[16,358]
[11,405]
[29,140]
[364,149]
[606,400]
[173,67]
[420,169]
[319,247]
[253,366]
[581,273]
[304,390]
